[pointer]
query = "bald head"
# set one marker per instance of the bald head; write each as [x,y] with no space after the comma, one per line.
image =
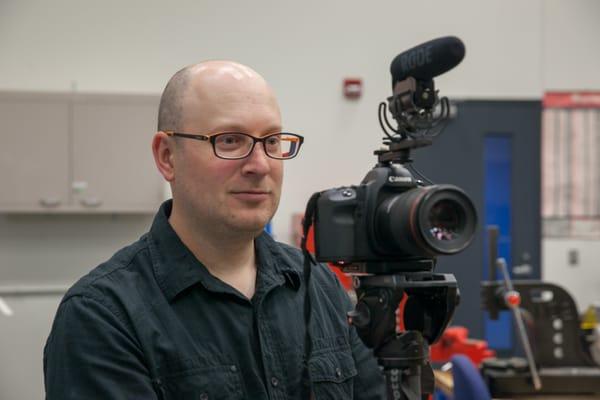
[196,89]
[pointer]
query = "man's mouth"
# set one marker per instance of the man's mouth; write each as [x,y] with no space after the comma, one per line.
[252,191]
[251,195]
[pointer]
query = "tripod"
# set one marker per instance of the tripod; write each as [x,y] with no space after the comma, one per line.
[428,303]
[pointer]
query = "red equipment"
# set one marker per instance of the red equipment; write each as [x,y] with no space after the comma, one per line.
[455,340]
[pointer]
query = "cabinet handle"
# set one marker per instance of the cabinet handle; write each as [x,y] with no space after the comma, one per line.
[91,202]
[50,201]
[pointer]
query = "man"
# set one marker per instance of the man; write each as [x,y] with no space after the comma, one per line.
[206,305]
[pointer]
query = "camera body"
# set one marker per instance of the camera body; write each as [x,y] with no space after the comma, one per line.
[392,218]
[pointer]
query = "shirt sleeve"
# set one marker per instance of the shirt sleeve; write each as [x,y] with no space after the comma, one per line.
[90,354]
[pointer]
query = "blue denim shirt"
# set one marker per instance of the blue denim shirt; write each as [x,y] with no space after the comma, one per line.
[153,323]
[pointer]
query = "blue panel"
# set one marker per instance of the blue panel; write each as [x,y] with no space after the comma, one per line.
[497,200]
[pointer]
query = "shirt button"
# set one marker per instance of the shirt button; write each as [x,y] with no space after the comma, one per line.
[274,381]
[204,396]
[233,368]
[338,372]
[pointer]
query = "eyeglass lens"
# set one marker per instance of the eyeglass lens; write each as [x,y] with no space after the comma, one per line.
[236,145]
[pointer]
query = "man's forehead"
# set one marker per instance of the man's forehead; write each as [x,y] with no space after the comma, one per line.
[222,93]
[216,118]
[230,83]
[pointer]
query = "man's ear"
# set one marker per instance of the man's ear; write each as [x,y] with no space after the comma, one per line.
[163,151]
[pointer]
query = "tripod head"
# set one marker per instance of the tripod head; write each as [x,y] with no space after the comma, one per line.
[426,302]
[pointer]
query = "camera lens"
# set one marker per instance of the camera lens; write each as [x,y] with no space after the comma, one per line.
[426,221]
[447,220]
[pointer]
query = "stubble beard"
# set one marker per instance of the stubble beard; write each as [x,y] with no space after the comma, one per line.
[234,222]
[249,222]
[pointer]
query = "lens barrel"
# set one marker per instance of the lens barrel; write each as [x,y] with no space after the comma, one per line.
[426,221]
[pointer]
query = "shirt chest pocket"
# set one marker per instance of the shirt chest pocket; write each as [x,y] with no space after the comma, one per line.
[332,372]
[210,383]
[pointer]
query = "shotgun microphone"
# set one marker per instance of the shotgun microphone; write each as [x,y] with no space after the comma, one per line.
[428,60]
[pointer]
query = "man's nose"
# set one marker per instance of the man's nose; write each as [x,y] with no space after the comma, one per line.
[257,161]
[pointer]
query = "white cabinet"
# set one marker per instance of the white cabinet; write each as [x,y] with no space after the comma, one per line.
[113,168]
[34,152]
[81,153]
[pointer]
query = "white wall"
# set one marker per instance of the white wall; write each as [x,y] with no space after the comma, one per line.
[136,45]
[58,249]
[571,59]
[515,50]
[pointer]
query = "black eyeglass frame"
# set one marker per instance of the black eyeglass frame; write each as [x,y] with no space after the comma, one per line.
[213,138]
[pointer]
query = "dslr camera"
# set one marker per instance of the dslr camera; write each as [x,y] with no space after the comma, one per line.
[393,221]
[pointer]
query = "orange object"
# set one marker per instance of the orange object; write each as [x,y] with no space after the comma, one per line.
[513,299]
[400,314]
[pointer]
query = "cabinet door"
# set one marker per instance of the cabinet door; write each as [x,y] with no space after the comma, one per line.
[34,158]
[113,167]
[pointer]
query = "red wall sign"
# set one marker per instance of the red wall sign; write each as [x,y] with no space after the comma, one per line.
[352,88]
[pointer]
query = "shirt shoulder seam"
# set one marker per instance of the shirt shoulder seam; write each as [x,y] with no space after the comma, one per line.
[90,296]
[89,289]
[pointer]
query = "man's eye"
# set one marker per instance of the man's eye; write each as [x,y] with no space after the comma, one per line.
[229,140]
[274,141]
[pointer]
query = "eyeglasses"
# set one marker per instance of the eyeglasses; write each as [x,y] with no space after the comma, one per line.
[237,145]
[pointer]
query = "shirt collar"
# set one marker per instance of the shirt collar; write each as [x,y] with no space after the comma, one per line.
[176,268]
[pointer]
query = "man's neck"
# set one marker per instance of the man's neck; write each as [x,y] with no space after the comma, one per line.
[229,257]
